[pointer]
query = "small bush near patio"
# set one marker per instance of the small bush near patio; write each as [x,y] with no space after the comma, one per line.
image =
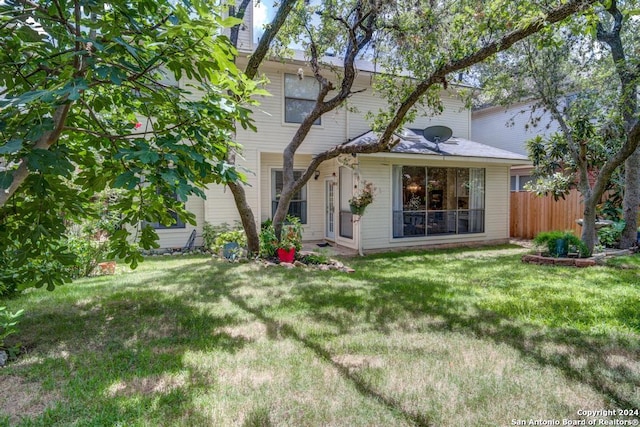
[560,243]
[440,338]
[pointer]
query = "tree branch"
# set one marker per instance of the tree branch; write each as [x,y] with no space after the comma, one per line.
[628,92]
[45,141]
[110,136]
[386,140]
[270,33]
[235,30]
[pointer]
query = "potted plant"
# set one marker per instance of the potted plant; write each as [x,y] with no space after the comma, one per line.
[362,199]
[290,240]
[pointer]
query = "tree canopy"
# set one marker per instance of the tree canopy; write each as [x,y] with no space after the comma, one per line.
[583,76]
[93,97]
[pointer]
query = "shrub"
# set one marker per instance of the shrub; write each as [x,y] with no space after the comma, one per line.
[268,241]
[316,258]
[215,237]
[8,326]
[210,232]
[88,250]
[549,239]
[234,236]
[74,251]
[610,236]
[9,276]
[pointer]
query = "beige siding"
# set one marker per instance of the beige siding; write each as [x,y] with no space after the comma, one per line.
[497,202]
[245,35]
[455,115]
[337,126]
[263,152]
[507,128]
[363,103]
[377,222]
[220,205]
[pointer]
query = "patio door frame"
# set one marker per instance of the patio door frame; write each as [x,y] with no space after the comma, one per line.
[330,209]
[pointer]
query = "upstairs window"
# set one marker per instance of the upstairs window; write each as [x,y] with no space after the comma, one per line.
[299,98]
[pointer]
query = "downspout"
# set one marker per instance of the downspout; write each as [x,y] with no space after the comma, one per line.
[359,220]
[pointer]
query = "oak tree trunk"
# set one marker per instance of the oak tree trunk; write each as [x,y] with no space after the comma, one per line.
[247,218]
[631,200]
[589,223]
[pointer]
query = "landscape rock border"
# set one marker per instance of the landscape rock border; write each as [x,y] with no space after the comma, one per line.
[331,265]
[597,259]
[568,262]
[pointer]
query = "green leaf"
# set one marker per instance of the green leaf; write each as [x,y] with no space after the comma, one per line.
[117,76]
[132,50]
[127,180]
[6,178]
[12,146]
[75,88]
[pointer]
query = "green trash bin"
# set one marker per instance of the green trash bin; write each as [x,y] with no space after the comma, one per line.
[562,248]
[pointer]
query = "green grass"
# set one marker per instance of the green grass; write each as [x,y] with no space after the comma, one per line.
[442,338]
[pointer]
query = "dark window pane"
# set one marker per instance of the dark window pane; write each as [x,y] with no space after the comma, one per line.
[524,179]
[296,110]
[346,224]
[414,224]
[413,188]
[297,209]
[443,222]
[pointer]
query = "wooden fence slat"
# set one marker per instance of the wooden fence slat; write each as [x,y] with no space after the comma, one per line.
[531,214]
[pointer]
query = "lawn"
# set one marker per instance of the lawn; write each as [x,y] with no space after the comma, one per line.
[444,338]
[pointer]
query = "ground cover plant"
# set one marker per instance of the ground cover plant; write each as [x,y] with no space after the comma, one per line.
[443,338]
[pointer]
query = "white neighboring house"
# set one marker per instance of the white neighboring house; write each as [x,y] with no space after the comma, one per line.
[510,129]
[456,193]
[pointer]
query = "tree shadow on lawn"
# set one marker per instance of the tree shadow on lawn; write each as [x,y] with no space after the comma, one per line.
[377,302]
[100,355]
[278,329]
[608,364]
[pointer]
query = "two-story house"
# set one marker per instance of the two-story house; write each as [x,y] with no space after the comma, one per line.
[455,192]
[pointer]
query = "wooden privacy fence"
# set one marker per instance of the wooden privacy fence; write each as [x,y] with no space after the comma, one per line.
[531,214]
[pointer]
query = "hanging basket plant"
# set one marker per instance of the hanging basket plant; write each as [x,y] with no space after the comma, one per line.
[357,210]
[359,202]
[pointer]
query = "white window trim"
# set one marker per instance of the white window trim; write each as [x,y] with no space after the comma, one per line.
[283,106]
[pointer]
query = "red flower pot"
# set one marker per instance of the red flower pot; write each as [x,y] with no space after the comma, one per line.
[286,255]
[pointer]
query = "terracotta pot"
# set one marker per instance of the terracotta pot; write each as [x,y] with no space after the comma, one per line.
[286,255]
